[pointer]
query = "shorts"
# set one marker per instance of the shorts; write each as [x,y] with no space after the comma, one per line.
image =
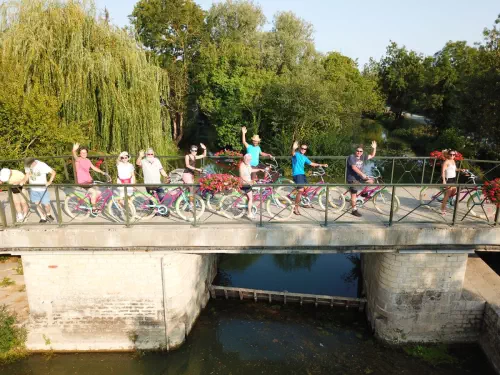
[353,189]
[37,196]
[16,190]
[451,180]
[300,179]
[246,188]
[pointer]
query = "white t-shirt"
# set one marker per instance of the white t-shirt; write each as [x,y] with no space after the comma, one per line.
[38,175]
[125,171]
[151,170]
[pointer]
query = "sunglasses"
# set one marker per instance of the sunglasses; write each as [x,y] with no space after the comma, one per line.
[359,150]
[124,157]
[304,148]
[453,154]
[150,154]
[194,150]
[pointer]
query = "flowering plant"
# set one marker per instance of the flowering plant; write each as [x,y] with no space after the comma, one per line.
[439,155]
[231,155]
[491,190]
[217,183]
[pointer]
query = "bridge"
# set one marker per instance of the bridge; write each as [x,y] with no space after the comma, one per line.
[110,282]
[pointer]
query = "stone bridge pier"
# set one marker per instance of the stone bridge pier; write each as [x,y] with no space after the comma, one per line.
[114,300]
[421,297]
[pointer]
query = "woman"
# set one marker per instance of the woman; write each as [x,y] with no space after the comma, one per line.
[246,171]
[82,169]
[14,177]
[126,173]
[449,176]
[190,167]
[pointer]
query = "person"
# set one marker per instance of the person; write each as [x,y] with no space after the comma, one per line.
[83,178]
[246,171]
[152,171]
[254,150]
[299,160]
[36,172]
[355,174]
[190,164]
[126,173]
[15,177]
[449,176]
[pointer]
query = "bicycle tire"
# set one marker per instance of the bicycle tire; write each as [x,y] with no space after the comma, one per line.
[382,202]
[279,207]
[71,204]
[214,201]
[485,209]
[431,196]
[182,207]
[234,206]
[335,198]
[144,205]
[116,211]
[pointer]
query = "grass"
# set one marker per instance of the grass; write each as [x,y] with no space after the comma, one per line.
[6,282]
[12,337]
[19,269]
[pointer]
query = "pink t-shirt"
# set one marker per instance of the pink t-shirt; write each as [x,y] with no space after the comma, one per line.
[83,171]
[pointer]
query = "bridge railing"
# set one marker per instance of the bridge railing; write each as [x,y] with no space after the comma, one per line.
[327,204]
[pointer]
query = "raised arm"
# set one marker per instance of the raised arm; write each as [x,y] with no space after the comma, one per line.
[52,176]
[204,155]
[139,158]
[295,146]
[73,151]
[374,150]
[243,136]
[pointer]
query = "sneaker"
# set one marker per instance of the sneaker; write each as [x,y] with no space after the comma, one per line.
[251,216]
[43,221]
[356,213]
[50,218]
[19,218]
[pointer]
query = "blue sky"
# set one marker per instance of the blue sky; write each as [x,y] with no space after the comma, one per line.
[362,29]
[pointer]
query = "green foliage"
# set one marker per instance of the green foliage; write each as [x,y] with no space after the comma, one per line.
[432,354]
[12,337]
[6,282]
[72,76]
[19,269]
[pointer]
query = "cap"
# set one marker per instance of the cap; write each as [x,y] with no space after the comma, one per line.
[4,175]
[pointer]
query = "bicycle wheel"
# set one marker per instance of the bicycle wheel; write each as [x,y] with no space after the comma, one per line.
[335,198]
[431,197]
[214,201]
[185,208]
[234,206]
[279,207]
[382,201]
[77,206]
[481,207]
[116,209]
[144,205]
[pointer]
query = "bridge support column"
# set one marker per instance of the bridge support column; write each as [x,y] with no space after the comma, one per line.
[114,300]
[419,298]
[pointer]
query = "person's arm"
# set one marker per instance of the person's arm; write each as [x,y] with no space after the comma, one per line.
[359,172]
[139,158]
[204,155]
[295,146]
[318,165]
[374,150]
[73,151]
[52,176]
[443,171]
[265,154]
[95,169]
[243,136]
[133,177]
[25,179]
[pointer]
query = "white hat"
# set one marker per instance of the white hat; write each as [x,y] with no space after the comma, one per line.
[4,175]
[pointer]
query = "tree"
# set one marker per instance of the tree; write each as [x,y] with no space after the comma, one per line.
[173,30]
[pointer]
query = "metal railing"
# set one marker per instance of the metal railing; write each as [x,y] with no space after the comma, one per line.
[327,204]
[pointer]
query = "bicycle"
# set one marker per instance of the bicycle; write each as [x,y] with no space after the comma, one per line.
[78,206]
[235,205]
[379,195]
[429,195]
[318,192]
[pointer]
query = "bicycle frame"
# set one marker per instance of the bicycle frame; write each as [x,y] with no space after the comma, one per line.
[101,200]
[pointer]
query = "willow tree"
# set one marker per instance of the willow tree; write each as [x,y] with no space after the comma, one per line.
[100,78]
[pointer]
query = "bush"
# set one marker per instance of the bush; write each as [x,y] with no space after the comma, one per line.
[12,337]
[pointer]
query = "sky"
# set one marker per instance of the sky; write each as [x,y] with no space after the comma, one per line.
[362,29]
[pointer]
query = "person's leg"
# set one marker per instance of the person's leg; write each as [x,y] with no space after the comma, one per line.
[46,204]
[354,196]
[188,178]
[17,204]
[250,202]
[447,194]
[298,197]
[36,197]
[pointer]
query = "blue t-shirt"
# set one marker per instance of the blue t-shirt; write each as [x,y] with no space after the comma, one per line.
[298,162]
[255,152]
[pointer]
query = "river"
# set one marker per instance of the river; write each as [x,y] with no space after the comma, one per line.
[234,337]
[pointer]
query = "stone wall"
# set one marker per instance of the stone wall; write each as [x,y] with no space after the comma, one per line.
[490,336]
[114,301]
[418,298]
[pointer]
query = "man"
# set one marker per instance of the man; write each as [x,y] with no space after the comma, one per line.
[36,173]
[355,174]
[152,170]
[13,177]
[299,160]
[254,150]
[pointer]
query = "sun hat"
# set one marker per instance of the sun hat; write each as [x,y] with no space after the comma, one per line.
[4,175]
[256,138]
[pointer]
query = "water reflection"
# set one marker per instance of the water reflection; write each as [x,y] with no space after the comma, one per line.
[292,262]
